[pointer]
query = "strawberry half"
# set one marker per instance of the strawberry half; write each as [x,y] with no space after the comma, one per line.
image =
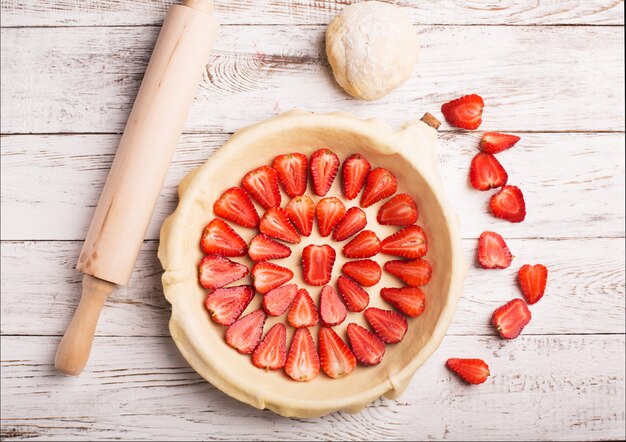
[219,238]
[511,318]
[335,356]
[267,276]
[414,272]
[303,362]
[465,112]
[508,204]
[400,210]
[486,172]
[271,354]
[276,224]
[493,142]
[300,211]
[390,326]
[355,297]
[533,280]
[278,300]
[366,346]
[245,334]
[235,205]
[409,300]
[317,264]
[324,166]
[262,184]
[380,184]
[264,248]
[493,253]
[365,245]
[354,172]
[293,171]
[329,212]
[472,371]
[365,271]
[216,271]
[332,310]
[303,312]
[409,242]
[354,221]
[226,304]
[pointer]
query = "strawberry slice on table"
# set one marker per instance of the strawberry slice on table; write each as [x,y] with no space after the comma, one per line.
[267,276]
[508,204]
[493,142]
[409,300]
[324,165]
[355,297]
[335,356]
[219,238]
[332,310]
[293,172]
[409,242]
[493,253]
[264,248]
[472,371]
[303,312]
[533,280]
[245,334]
[303,362]
[262,184]
[390,326]
[365,245]
[278,300]
[217,271]
[317,264]
[365,271]
[271,353]
[300,211]
[354,221]
[275,223]
[511,318]
[235,205]
[354,172]
[329,212]
[465,112]
[414,272]
[366,346]
[486,172]
[380,184]
[400,210]
[226,304]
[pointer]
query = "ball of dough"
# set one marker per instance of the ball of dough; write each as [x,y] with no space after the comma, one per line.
[372,49]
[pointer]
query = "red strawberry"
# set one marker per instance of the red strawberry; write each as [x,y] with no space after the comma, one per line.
[409,300]
[245,334]
[511,318]
[414,272]
[300,211]
[277,301]
[398,211]
[354,172]
[493,142]
[332,310]
[508,204]
[324,166]
[226,304]
[465,112]
[317,264]
[486,172]
[409,242]
[533,281]
[365,245]
[267,276]
[390,326]
[303,362]
[271,354]
[329,212]
[472,371]
[355,297]
[219,238]
[262,184]
[335,356]
[493,253]
[264,248]
[293,170]
[235,205]
[366,346]
[303,312]
[365,271]
[276,224]
[354,221]
[380,184]
[216,271]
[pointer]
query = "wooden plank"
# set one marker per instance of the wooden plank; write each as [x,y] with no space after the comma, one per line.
[542,388]
[532,78]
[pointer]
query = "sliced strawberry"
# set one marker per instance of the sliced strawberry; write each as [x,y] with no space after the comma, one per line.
[317,264]
[219,238]
[335,356]
[486,172]
[303,362]
[332,310]
[365,271]
[354,172]
[354,221]
[465,112]
[400,210]
[262,184]
[414,272]
[511,318]
[366,346]
[533,281]
[493,142]
[276,224]
[329,212]
[235,205]
[226,304]
[409,300]
[390,326]
[264,248]
[216,271]
[365,245]
[324,166]
[380,184]
[278,300]
[355,297]
[303,312]
[271,354]
[293,171]
[472,371]
[267,276]
[508,204]
[300,211]
[409,242]
[245,334]
[493,253]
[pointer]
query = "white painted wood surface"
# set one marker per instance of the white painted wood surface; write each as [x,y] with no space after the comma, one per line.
[70,70]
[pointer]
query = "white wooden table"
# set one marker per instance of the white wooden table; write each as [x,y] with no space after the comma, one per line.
[551,71]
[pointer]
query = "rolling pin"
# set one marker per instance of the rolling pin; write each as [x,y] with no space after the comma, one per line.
[134,183]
